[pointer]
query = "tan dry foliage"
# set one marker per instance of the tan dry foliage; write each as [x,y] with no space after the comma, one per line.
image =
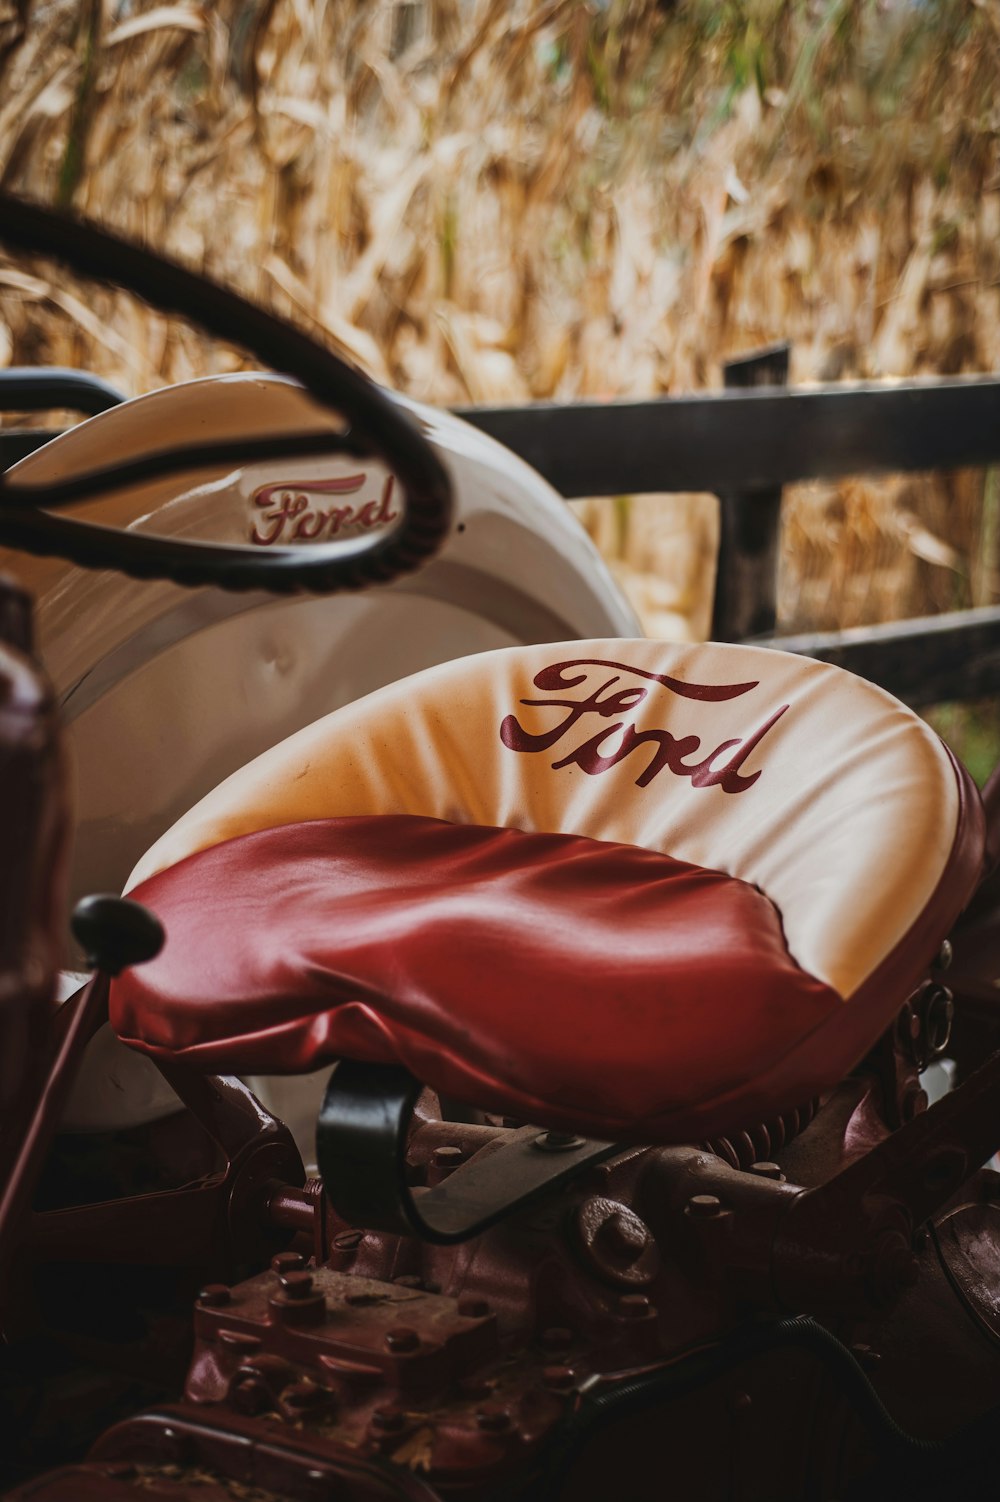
[483,201]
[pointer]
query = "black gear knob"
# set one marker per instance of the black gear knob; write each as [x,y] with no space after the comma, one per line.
[115,933]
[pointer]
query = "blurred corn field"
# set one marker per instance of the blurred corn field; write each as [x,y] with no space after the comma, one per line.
[508,200]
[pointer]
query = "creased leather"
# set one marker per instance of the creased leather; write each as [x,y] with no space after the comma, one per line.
[612,984]
[844,809]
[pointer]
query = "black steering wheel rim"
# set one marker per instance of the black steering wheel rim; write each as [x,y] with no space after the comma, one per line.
[377,426]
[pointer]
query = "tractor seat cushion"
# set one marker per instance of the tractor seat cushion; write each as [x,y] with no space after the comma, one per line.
[817,836]
[550,976]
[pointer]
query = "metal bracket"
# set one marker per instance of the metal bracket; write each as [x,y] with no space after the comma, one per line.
[361,1141]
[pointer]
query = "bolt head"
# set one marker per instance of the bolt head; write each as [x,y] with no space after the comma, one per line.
[558,1142]
[559,1378]
[615,1243]
[287,1262]
[704,1206]
[402,1339]
[297,1284]
[215,1295]
[624,1236]
[448,1156]
[634,1305]
[767,1171]
[348,1241]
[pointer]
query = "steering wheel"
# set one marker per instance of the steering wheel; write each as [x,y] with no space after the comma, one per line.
[376,425]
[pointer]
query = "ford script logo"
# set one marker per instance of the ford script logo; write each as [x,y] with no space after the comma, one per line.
[301,510]
[653,750]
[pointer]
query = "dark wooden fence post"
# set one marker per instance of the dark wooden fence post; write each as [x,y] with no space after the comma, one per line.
[746,577]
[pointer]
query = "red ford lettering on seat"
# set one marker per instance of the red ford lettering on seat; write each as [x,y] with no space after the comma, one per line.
[671,749]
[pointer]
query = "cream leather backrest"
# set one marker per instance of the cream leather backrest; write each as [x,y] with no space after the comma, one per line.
[820,789]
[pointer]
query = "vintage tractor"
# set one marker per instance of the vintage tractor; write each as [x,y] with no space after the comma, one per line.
[611,970]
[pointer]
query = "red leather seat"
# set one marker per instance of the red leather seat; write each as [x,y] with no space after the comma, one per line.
[657,933]
[550,975]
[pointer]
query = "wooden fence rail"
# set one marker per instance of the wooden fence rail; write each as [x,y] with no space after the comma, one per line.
[744,444]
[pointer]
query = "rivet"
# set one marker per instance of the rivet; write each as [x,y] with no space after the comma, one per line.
[945,956]
[448,1156]
[558,1377]
[402,1338]
[704,1206]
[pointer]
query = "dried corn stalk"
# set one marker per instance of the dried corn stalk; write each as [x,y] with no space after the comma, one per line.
[493,201]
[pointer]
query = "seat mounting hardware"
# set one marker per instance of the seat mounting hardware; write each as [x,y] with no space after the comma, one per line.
[361,1141]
